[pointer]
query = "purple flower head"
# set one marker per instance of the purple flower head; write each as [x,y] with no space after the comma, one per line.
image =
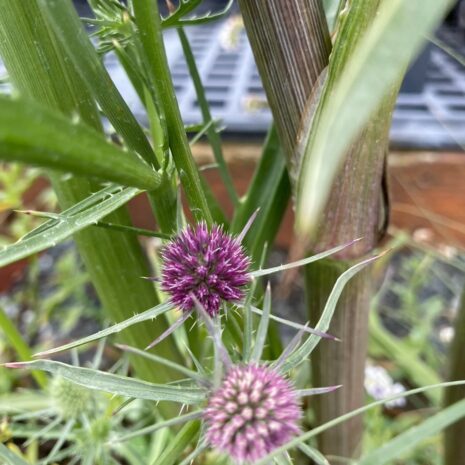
[208,264]
[254,411]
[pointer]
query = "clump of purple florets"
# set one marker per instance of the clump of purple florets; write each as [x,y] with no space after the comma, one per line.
[209,264]
[253,412]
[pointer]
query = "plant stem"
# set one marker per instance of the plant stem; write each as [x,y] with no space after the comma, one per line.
[40,69]
[291,45]
[148,22]
[454,444]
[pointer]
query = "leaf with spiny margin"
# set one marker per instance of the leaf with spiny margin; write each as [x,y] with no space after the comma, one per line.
[56,231]
[302,262]
[149,314]
[307,347]
[115,384]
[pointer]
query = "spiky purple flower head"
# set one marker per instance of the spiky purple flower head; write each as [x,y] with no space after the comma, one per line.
[211,265]
[254,411]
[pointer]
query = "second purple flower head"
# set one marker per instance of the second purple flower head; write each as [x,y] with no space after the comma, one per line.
[209,264]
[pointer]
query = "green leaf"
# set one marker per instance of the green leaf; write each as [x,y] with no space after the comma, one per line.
[314,454]
[307,347]
[185,7]
[158,425]
[375,64]
[262,327]
[115,384]
[408,440]
[403,357]
[212,134]
[304,261]
[57,231]
[53,141]
[19,345]
[10,457]
[270,190]
[139,318]
[75,40]
[178,445]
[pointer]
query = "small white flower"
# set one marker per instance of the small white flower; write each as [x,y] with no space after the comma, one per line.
[446,334]
[380,385]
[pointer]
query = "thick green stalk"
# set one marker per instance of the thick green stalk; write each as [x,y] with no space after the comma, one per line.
[454,435]
[40,69]
[148,23]
[291,45]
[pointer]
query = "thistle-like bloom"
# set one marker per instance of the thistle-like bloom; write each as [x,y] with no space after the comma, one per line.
[254,411]
[210,265]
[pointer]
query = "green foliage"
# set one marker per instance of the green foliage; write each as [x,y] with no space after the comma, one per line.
[372,66]
[87,415]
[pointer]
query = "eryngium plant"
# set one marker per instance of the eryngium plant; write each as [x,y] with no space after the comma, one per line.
[52,119]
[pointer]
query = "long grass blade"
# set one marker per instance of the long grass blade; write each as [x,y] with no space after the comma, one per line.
[319,429]
[302,262]
[149,314]
[66,227]
[262,331]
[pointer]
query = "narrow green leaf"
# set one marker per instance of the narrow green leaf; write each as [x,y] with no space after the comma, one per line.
[408,440]
[63,229]
[319,429]
[75,40]
[201,19]
[270,190]
[314,454]
[304,261]
[212,134]
[375,64]
[53,141]
[307,347]
[139,318]
[115,384]
[178,445]
[163,361]
[19,345]
[159,425]
[10,457]
[262,327]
